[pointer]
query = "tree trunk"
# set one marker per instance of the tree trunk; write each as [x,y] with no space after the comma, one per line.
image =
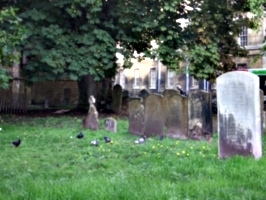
[87,86]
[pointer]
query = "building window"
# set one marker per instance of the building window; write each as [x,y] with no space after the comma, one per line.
[244,36]
[153,78]
[242,66]
[136,79]
[170,79]
[194,83]
[122,78]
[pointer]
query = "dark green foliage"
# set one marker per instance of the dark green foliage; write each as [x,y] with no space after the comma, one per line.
[74,38]
[11,35]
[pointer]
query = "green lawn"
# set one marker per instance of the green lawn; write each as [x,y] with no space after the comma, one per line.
[51,163]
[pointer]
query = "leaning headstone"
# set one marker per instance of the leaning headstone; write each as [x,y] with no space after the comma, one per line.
[91,121]
[136,116]
[200,115]
[110,124]
[176,107]
[117,99]
[154,115]
[239,115]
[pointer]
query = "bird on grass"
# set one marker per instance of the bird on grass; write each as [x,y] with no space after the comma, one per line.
[16,143]
[80,135]
[95,142]
[107,139]
[141,140]
[161,137]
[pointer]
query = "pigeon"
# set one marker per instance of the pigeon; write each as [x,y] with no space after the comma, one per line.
[107,139]
[161,137]
[16,143]
[95,142]
[80,135]
[141,140]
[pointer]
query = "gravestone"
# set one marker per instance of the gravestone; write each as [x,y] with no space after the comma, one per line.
[176,117]
[110,124]
[117,99]
[239,115]
[154,115]
[136,116]
[91,121]
[143,94]
[166,94]
[200,115]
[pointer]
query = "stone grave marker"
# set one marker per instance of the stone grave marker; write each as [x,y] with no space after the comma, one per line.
[143,94]
[91,121]
[239,115]
[117,99]
[200,115]
[110,124]
[154,115]
[176,117]
[166,94]
[136,116]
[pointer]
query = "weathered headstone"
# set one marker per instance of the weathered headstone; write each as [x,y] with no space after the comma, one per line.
[110,124]
[176,117]
[117,99]
[91,121]
[154,115]
[239,115]
[200,115]
[136,116]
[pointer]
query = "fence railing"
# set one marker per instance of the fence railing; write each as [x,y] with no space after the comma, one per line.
[12,102]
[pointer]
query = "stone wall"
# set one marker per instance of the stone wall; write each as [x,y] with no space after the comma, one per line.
[56,92]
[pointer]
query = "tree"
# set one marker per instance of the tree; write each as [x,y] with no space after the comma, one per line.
[11,35]
[210,36]
[73,38]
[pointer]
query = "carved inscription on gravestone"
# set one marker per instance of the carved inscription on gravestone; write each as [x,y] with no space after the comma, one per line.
[239,115]
[154,115]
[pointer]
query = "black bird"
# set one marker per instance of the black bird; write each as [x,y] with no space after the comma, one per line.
[141,140]
[16,143]
[161,137]
[95,142]
[107,139]
[80,135]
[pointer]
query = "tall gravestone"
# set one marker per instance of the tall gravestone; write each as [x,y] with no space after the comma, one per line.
[154,115]
[136,116]
[239,115]
[91,121]
[176,115]
[200,115]
[117,99]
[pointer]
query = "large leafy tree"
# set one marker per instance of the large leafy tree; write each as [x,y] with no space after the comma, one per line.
[73,38]
[11,35]
[210,36]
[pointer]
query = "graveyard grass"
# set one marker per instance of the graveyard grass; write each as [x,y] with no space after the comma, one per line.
[51,163]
